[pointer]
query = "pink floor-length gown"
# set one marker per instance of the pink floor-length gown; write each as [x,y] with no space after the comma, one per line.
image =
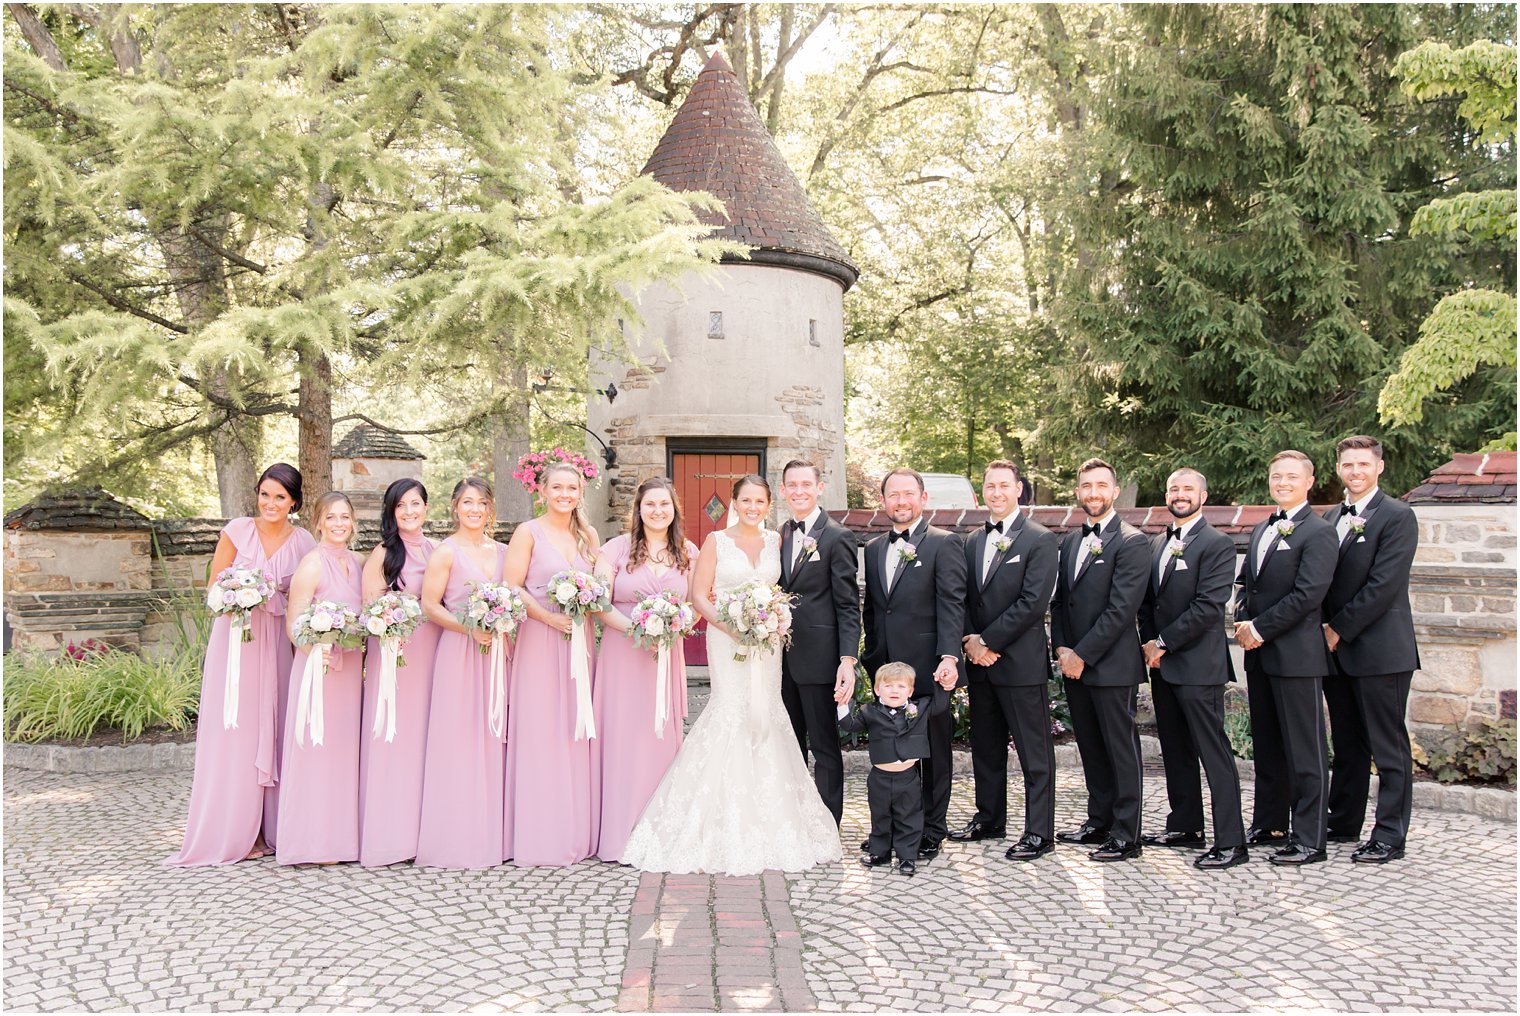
[319,785]
[233,767]
[548,819]
[462,777]
[630,756]
[390,772]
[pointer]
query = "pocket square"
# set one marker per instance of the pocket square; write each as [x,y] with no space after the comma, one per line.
[1283,545]
[1361,539]
[1015,559]
[1181,565]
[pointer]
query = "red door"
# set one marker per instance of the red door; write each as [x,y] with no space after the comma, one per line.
[704,482]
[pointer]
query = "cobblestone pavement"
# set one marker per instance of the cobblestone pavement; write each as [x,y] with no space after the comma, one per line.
[93,921]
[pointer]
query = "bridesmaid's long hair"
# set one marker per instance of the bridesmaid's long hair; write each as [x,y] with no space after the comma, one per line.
[638,552]
[481,485]
[390,532]
[585,536]
[330,498]
[287,476]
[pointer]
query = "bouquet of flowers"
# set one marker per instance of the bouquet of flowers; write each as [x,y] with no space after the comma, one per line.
[530,468]
[661,621]
[760,613]
[235,592]
[391,618]
[579,594]
[495,608]
[322,626]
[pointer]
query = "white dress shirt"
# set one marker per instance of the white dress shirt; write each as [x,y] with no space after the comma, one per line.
[1166,553]
[1084,549]
[807,527]
[1343,524]
[1267,537]
[894,553]
[990,551]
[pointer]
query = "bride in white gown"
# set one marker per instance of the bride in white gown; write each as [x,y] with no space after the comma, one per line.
[738,799]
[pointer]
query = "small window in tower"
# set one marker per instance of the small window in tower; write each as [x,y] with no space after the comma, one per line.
[812,332]
[715,324]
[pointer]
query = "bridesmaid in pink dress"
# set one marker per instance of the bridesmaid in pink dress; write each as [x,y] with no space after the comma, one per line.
[653,557]
[549,814]
[319,783]
[390,772]
[461,777]
[233,767]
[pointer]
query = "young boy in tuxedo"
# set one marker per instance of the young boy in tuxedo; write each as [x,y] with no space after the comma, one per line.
[898,726]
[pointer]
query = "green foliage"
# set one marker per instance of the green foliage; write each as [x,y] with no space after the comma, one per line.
[1468,754]
[1237,721]
[1483,73]
[67,699]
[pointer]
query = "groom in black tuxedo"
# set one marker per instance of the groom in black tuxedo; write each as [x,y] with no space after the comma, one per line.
[818,566]
[1011,572]
[1093,618]
[915,606]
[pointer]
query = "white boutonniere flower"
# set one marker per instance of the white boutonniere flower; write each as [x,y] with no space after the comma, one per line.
[1176,547]
[1095,548]
[908,553]
[911,711]
[809,548]
[1001,544]
[1285,527]
[1358,525]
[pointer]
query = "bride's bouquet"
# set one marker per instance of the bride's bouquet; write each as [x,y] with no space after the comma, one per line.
[659,622]
[761,615]
[580,595]
[323,626]
[497,609]
[391,618]
[235,593]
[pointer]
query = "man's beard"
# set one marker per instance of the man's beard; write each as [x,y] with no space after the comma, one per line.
[1181,515]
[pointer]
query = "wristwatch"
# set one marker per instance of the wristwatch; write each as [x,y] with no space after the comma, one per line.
[1160,643]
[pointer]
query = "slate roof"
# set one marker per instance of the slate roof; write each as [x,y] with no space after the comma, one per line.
[76,508]
[1469,479]
[366,442]
[717,143]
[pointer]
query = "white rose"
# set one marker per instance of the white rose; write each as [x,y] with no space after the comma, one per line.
[735,609]
[321,621]
[762,595]
[655,626]
[375,626]
[565,592]
[214,598]
[248,598]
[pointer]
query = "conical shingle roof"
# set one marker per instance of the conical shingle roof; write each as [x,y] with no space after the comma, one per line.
[717,143]
[366,442]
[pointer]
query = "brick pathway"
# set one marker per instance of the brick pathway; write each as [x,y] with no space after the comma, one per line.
[93,922]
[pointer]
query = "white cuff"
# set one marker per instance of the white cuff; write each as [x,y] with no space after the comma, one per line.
[843,710]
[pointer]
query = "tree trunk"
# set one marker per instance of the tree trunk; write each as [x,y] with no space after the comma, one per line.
[512,441]
[315,440]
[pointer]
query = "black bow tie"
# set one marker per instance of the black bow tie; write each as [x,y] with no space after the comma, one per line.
[1350,509]
[993,527]
[1278,516]
[796,526]
[895,536]
[1091,530]
[1174,532]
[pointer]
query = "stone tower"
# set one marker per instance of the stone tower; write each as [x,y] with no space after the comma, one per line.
[744,371]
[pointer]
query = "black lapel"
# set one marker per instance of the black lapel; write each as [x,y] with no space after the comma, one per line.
[1104,536]
[916,537]
[1014,529]
[786,559]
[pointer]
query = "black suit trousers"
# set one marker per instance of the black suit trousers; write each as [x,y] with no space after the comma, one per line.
[1024,711]
[936,770]
[1190,726]
[1288,742]
[897,812]
[1381,701]
[1103,720]
[1351,758]
[811,708]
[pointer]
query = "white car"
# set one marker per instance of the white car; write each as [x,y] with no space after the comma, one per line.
[949,490]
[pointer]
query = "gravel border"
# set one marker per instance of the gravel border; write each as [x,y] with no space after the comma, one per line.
[1488,802]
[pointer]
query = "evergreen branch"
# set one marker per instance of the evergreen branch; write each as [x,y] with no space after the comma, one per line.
[485,413]
[125,307]
[936,92]
[216,248]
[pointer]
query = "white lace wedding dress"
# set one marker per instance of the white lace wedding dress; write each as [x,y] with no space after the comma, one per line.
[738,799]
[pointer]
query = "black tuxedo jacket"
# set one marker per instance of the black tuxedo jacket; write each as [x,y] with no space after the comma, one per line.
[826,616]
[1368,601]
[1187,611]
[922,618]
[893,736]
[1096,616]
[1008,609]
[1283,599]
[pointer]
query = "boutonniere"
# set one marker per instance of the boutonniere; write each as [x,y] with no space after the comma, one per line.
[1285,527]
[809,548]
[1176,547]
[1001,544]
[1095,548]
[1358,525]
[911,711]
[908,553]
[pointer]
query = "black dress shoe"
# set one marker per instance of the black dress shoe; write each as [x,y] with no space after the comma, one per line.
[1030,847]
[928,850]
[1296,854]
[1084,833]
[1214,858]
[1343,837]
[1374,852]
[1261,837]
[1116,850]
[1174,839]
[906,868]
[976,830]
[875,860]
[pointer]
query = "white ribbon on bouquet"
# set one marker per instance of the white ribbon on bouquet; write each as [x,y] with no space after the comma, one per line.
[234,672]
[496,683]
[580,675]
[309,697]
[385,701]
[661,692]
